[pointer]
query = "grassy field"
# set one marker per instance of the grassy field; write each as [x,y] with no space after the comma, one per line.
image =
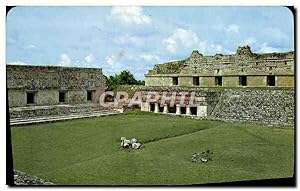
[87,151]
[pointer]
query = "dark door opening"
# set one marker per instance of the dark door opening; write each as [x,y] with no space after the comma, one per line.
[218,81]
[183,110]
[89,95]
[194,110]
[196,81]
[172,109]
[152,107]
[243,80]
[271,80]
[175,81]
[30,97]
[161,109]
[62,97]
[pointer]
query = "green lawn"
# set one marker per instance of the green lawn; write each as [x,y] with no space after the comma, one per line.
[87,151]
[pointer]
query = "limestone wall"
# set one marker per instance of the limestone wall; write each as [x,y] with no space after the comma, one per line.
[230,67]
[77,96]
[54,110]
[230,81]
[285,81]
[260,106]
[16,98]
[47,97]
[207,81]
[46,77]
[158,81]
[256,81]
[47,81]
[185,81]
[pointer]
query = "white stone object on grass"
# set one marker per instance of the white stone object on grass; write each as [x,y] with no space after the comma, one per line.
[125,143]
[136,145]
[134,140]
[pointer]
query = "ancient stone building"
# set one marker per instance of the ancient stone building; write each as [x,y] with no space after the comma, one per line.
[52,85]
[269,98]
[243,68]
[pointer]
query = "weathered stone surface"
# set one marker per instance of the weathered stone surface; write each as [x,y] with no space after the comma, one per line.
[134,140]
[204,156]
[47,81]
[133,143]
[136,145]
[230,67]
[266,106]
[259,106]
[125,143]
[54,110]
[21,178]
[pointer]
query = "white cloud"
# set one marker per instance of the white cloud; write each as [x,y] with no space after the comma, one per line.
[129,39]
[111,60]
[249,41]
[150,57]
[275,34]
[217,49]
[18,63]
[29,46]
[64,60]
[90,58]
[233,28]
[264,48]
[130,14]
[186,38]
[170,44]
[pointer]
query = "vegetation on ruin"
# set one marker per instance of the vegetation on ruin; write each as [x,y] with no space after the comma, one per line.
[125,77]
[87,151]
[169,68]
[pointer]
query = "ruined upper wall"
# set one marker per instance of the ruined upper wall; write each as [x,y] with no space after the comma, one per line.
[53,77]
[243,62]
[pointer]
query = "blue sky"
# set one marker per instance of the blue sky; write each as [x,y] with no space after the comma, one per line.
[136,38]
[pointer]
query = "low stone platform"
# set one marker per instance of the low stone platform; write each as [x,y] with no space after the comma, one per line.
[15,122]
[42,114]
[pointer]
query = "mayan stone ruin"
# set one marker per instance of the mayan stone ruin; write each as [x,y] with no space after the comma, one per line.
[52,91]
[244,68]
[244,86]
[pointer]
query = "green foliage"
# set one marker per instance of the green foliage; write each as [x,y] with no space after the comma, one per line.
[87,151]
[123,78]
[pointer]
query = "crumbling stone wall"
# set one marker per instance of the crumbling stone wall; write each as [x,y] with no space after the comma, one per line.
[54,110]
[243,63]
[259,106]
[48,81]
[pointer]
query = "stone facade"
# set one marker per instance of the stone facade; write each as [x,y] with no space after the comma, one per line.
[52,85]
[242,69]
[260,106]
[53,110]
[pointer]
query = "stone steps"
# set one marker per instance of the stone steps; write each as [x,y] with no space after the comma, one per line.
[17,122]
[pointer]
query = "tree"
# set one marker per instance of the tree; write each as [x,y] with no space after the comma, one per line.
[124,78]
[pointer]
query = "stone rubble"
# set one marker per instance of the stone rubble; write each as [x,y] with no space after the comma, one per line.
[259,106]
[21,178]
[204,156]
[133,143]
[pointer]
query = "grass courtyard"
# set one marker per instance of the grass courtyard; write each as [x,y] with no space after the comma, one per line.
[87,151]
